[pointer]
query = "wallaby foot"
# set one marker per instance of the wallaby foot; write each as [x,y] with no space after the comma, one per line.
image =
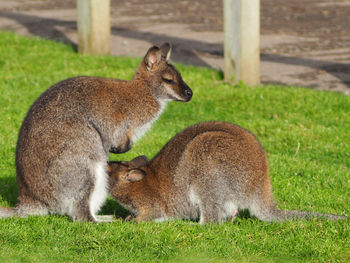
[130,218]
[144,215]
[105,218]
[84,218]
[83,213]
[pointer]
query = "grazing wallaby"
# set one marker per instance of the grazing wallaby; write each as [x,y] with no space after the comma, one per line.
[207,171]
[66,137]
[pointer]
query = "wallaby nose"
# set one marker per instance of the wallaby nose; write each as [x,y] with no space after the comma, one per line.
[188,94]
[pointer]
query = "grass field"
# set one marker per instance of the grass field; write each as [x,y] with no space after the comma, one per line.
[305,132]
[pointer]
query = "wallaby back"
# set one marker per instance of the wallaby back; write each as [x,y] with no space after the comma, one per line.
[65,139]
[207,171]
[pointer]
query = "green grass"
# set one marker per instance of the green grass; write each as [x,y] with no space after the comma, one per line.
[316,177]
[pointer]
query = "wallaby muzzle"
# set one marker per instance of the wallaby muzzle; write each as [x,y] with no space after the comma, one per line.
[187,93]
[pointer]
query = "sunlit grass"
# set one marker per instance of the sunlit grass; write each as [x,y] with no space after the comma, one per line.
[305,132]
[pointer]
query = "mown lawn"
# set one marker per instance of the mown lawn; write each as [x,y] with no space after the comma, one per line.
[305,132]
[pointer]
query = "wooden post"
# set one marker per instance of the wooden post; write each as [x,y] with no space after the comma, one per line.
[242,41]
[94,26]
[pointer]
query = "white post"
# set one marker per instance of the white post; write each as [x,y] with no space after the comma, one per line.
[94,26]
[242,41]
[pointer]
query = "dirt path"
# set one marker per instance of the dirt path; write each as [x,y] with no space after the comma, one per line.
[303,42]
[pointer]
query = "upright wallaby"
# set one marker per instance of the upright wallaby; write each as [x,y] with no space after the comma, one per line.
[207,171]
[65,139]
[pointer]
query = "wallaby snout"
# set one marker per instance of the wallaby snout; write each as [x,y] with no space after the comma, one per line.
[175,88]
[187,92]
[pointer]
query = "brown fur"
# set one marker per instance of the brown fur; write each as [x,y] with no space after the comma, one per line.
[66,137]
[207,171]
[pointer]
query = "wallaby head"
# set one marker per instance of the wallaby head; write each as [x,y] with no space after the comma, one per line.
[123,174]
[164,80]
[125,180]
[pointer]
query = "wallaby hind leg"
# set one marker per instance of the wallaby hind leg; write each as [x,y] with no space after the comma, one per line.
[207,202]
[209,212]
[82,190]
[95,196]
[82,209]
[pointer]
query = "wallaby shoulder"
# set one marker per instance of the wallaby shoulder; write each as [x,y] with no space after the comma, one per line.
[97,99]
[92,88]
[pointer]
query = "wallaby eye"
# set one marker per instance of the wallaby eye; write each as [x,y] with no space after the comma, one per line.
[169,81]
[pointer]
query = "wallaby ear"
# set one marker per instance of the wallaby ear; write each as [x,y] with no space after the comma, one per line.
[139,161]
[135,175]
[166,51]
[152,57]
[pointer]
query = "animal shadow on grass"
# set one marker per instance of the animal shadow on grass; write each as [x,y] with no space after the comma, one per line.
[9,190]
[112,207]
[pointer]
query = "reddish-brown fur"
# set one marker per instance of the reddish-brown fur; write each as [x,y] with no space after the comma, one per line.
[207,171]
[66,137]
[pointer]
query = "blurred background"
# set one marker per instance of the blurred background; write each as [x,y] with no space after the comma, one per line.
[303,42]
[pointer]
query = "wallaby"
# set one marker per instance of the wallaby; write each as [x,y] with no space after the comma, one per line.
[207,171]
[65,139]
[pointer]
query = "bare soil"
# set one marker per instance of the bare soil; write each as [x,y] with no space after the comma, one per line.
[303,42]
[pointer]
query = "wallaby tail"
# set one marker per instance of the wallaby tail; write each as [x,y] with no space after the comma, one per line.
[266,210]
[284,215]
[7,212]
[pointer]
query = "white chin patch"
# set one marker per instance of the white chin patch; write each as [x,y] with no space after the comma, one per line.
[173,95]
[139,132]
